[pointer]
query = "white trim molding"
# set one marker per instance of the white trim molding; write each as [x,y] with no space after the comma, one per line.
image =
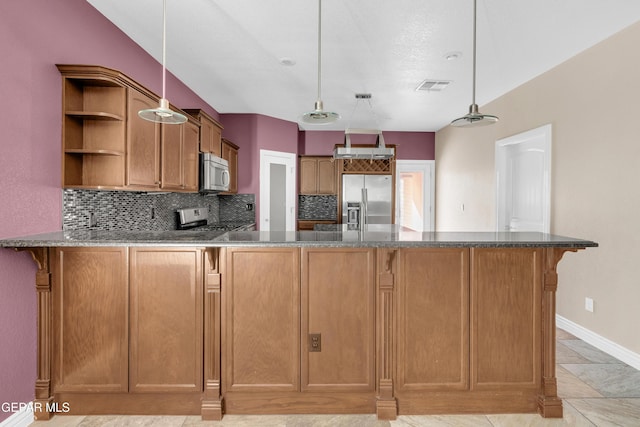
[613,349]
[22,418]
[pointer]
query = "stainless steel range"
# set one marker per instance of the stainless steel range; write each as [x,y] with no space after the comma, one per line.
[198,219]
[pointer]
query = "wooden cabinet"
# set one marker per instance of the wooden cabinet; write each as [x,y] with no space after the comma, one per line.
[261,308]
[318,175]
[127,321]
[143,144]
[106,145]
[210,132]
[90,318]
[179,147]
[433,319]
[93,129]
[166,320]
[230,153]
[337,299]
[274,301]
[506,295]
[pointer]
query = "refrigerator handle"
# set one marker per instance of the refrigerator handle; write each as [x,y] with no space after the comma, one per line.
[363,210]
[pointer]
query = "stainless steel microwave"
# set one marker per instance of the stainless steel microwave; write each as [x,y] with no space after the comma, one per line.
[214,174]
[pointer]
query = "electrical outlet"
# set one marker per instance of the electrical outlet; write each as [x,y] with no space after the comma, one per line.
[249,206]
[588,304]
[93,220]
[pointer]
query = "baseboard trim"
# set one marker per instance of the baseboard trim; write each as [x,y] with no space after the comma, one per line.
[598,341]
[22,418]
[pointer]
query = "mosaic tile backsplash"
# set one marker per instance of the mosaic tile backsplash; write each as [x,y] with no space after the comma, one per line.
[125,210]
[317,207]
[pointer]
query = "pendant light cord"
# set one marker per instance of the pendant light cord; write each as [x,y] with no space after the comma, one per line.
[319,45]
[164,46]
[473,91]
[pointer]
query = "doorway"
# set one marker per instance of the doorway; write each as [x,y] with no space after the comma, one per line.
[523,179]
[415,188]
[277,190]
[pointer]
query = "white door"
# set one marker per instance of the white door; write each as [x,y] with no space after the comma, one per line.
[277,191]
[415,189]
[523,177]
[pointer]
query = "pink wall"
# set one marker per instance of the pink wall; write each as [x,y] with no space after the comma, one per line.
[34,36]
[253,133]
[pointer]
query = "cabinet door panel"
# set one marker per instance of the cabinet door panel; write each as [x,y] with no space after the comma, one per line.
[166,320]
[506,293]
[433,319]
[143,143]
[171,149]
[90,320]
[190,157]
[338,302]
[261,330]
[308,176]
[326,176]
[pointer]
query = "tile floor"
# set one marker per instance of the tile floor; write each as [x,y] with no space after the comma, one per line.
[597,390]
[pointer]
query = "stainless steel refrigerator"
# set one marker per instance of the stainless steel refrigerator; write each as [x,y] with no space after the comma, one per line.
[367,196]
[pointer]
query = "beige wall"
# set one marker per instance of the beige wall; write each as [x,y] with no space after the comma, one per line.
[593,104]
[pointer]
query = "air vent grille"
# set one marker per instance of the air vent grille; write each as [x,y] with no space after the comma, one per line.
[433,85]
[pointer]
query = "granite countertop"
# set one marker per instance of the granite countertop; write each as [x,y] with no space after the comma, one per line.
[372,236]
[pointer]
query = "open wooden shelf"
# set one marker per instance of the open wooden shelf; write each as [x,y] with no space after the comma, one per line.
[94,115]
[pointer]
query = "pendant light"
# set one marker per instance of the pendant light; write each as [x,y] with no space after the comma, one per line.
[318,115]
[163,114]
[474,118]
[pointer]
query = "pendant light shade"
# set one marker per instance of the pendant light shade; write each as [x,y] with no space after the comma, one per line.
[163,114]
[474,118]
[318,116]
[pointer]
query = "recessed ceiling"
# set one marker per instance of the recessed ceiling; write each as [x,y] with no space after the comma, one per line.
[230,52]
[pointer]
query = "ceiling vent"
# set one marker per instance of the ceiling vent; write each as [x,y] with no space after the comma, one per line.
[433,85]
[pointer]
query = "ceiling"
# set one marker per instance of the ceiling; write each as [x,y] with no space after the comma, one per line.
[230,52]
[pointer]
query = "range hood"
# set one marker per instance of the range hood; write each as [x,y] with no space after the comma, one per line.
[380,151]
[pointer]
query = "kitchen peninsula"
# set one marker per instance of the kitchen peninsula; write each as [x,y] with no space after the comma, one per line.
[373,321]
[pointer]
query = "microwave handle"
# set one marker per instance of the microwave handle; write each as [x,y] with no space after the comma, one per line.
[225,173]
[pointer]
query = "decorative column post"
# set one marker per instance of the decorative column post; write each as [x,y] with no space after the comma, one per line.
[549,404]
[386,404]
[211,399]
[44,398]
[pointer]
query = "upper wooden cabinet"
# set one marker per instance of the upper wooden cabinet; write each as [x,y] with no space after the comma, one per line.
[318,175]
[210,132]
[94,114]
[106,145]
[143,144]
[179,147]
[230,154]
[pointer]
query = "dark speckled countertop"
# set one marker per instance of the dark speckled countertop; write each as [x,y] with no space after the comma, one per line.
[372,236]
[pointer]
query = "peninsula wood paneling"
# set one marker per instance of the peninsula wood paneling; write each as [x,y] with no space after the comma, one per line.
[506,289]
[433,319]
[338,302]
[166,320]
[261,319]
[90,337]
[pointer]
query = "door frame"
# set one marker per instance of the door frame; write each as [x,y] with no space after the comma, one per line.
[268,157]
[502,145]
[427,167]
